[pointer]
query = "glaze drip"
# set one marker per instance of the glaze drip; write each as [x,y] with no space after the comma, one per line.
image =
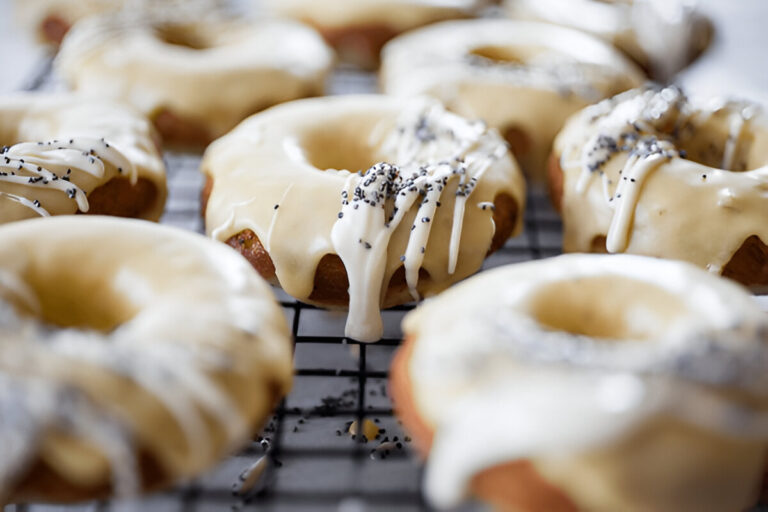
[634,128]
[58,165]
[432,149]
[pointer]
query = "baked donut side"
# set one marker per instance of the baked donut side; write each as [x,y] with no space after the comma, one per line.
[617,172]
[195,80]
[522,78]
[432,195]
[70,154]
[500,378]
[509,486]
[133,366]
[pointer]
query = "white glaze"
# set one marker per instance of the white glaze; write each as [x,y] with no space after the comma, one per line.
[660,34]
[246,64]
[303,212]
[557,72]
[624,177]
[199,321]
[61,147]
[497,385]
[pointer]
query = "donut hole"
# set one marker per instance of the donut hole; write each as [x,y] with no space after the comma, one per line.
[606,307]
[182,35]
[82,300]
[505,54]
[340,148]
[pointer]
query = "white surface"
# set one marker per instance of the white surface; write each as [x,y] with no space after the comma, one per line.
[735,64]
[19,55]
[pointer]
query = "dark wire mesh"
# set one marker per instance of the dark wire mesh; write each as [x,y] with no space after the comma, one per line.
[313,463]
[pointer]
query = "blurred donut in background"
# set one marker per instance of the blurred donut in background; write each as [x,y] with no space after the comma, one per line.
[195,79]
[52,19]
[357,29]
[662,36]
[522,78]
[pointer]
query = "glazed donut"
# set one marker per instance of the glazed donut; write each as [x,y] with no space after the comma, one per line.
[362,201]
[357,29]
[523,79]
[588,382]
[662,36]
[52,19]
[66,153]
[195,79]
[133,355]
[648,172]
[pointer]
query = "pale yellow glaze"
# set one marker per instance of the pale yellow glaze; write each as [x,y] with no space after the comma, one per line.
[398,15]
[661,35]
[243,66]
[631,383]
[650,200]
[137,336]
[71,137]
[281,174]
[528,76]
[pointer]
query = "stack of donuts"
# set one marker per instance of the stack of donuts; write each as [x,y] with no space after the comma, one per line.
[137,354]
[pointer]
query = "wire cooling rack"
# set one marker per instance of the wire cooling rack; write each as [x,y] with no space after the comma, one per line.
[311,462]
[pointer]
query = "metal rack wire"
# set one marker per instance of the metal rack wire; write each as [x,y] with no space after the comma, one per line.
[312,463]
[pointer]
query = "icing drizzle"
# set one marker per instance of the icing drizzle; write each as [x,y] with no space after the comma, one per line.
[58,165]
[633,129]
[432,148]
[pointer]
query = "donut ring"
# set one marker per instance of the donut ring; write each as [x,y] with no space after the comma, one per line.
[388,234]
[524,79]
[196,80]
[69,154]
[358,29]
[620,168]
[536,387]
[662,37]
[139,363]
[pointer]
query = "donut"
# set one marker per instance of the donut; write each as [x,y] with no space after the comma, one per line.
[195,79]
[133,355]
[650,172]
[51,19]
[66,153]
[588,382]
[357,29]
[661,36]
[362,201]
[523,79]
